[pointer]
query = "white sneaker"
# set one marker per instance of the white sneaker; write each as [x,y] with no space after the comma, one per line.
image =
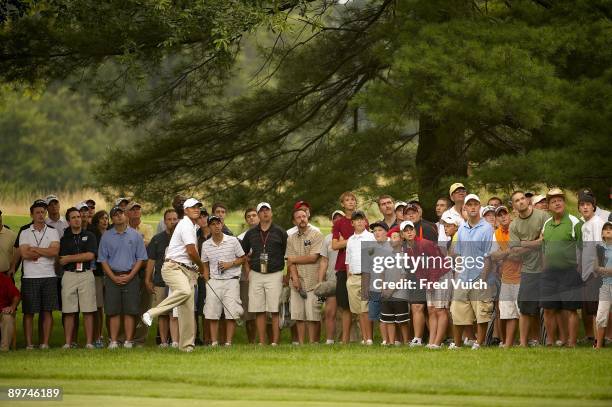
[433,346]
[475,346]
[44,347]
[128,344]
[330,342]
[383,343]
[273,344]
[66,346]
[175,345]
[90,346]
[295,343]
[453,346]
[146,319]
[215,343]
[228,344]
[559,343]
[533,343]
[369,342]
[113,345]
[397,343]
[468,342]
[416,342]
[163,345]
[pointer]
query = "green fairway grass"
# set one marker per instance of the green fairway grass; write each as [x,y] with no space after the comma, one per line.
[317,375]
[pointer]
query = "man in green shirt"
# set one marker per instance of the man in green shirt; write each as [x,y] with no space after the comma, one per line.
[561,281]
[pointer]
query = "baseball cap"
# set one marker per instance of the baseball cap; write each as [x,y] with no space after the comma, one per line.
[411,206]
[400,203]
[121,200]
[405,224]
[81,205]
[501,208]
[486,209]
[555,192]
[299,204]
[213,218]
[191,202]
[529,194]
[471,197]
[39,203]
[380,224]
[50,198]
[537,198]
[357,215]
[133,204]
[263,205]
[115,209]
[451,220]
[338,212]
[586,195]
[455,187]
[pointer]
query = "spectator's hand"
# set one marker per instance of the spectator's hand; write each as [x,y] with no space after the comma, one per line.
[63,261]
[8,310]
[120,279]
[225,265]
[11,272]
[149,285]
[296,283]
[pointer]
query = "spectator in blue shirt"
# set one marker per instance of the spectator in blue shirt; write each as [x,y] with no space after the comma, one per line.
[121,254]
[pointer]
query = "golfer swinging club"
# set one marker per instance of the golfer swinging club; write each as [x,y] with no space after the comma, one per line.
[181,265]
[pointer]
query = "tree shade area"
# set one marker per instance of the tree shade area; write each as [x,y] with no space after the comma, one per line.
[395,96]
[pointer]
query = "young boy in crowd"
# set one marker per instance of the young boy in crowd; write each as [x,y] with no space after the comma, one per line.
[604,268]
[510,270]
[379,229]
[357,304]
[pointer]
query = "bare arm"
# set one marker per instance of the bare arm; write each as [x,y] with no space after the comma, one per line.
[308,259]
[149,275]
[338,244]
[192,252]
[76,258]
[323,268]
[51,251]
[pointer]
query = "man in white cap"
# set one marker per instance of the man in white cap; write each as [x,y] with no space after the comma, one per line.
[474,242]
[180,274]
[539,202]
[54,218]
[268,243]
[457,194]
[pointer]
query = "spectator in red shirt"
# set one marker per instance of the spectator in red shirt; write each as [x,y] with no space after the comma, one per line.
[9,299]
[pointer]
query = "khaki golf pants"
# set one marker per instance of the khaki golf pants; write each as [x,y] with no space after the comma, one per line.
[181,282]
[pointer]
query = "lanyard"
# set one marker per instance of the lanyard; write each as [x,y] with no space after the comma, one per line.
[77,239]
[38,242]
[264,241]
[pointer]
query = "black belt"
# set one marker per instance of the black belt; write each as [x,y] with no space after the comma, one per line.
[192,268]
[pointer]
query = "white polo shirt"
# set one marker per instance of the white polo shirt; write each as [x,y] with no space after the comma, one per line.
[591,234]
[60,225]
[184,234]
[44,267]
[353,250]
[228,250]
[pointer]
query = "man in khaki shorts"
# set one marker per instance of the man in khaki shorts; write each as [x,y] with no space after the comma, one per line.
[179,271]
[77,252]
[268,243]
[155,285]
[474,243]
[357,304]
[303,257]
[222,256]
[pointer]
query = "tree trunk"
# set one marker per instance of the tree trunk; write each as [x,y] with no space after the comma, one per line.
[440,155]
